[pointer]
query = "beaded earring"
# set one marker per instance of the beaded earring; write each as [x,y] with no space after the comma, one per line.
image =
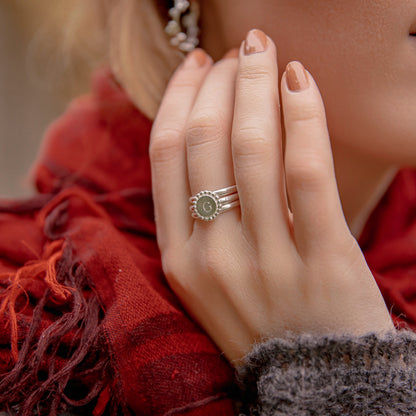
[183,28]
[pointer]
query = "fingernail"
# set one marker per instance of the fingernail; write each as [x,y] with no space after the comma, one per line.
[296,77]
[196,59]
[233,53]
[256,42]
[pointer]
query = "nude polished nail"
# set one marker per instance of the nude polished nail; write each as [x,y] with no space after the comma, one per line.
[233,53]
[256,42]
[196,59]
[296,77]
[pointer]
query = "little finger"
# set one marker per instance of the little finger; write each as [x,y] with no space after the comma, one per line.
[309,167]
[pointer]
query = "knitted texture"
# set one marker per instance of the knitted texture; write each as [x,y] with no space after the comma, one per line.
[332,375]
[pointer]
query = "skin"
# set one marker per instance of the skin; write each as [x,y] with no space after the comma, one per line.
[364,62]
[332,148]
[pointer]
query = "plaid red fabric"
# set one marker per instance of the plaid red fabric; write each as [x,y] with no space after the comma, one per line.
[388,242]
[86,313]
[86,317]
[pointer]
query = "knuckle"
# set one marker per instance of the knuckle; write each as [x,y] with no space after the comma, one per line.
[268,270]
[250,141]
[169,265]
[214,256]
[210,256]
[264,271]
[175,275]
[204,129]
[307,171]
[182,84]
[306,113]
[255,73]
[225,68]
[165,145]
[346,244]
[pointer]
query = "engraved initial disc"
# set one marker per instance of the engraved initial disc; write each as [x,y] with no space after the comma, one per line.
[206,206]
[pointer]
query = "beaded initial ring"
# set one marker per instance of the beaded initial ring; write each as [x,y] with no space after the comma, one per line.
[207,205]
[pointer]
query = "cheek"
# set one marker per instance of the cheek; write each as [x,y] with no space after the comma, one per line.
[367,77]
[370,98]
[378,123]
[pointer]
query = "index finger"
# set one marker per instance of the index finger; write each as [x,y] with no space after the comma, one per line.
[167,150]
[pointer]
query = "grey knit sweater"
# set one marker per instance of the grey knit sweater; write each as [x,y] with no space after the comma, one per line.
[310,375]
[319,376]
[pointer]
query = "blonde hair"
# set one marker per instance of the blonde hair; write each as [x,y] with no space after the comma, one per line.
[130,36]
[77,36]
[140,54]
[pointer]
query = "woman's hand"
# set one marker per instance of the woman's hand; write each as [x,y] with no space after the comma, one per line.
[261,269]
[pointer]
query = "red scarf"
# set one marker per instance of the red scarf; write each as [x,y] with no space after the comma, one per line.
[86,315]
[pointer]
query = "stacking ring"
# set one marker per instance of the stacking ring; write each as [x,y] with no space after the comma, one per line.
[207,205]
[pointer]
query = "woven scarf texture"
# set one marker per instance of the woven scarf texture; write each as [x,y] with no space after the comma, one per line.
[86,317]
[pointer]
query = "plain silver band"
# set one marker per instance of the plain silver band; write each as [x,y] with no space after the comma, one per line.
[229,198]
[220,193]
[232,205]
[225,191]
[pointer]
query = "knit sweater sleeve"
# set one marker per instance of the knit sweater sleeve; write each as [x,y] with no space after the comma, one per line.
[331,375]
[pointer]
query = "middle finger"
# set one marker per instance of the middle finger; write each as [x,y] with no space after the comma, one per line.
[257,143]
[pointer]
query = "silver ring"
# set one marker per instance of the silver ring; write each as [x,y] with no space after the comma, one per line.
[207,205]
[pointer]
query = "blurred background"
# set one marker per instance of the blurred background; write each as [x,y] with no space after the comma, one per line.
[33,89]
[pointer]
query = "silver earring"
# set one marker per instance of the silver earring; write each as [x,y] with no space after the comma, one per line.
[183,28]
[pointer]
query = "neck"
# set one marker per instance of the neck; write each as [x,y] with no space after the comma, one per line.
[217,35]
[362,182]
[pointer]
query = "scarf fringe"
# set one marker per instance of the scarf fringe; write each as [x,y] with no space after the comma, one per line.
[54,366]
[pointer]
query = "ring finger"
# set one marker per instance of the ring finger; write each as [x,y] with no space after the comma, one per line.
[208,129]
